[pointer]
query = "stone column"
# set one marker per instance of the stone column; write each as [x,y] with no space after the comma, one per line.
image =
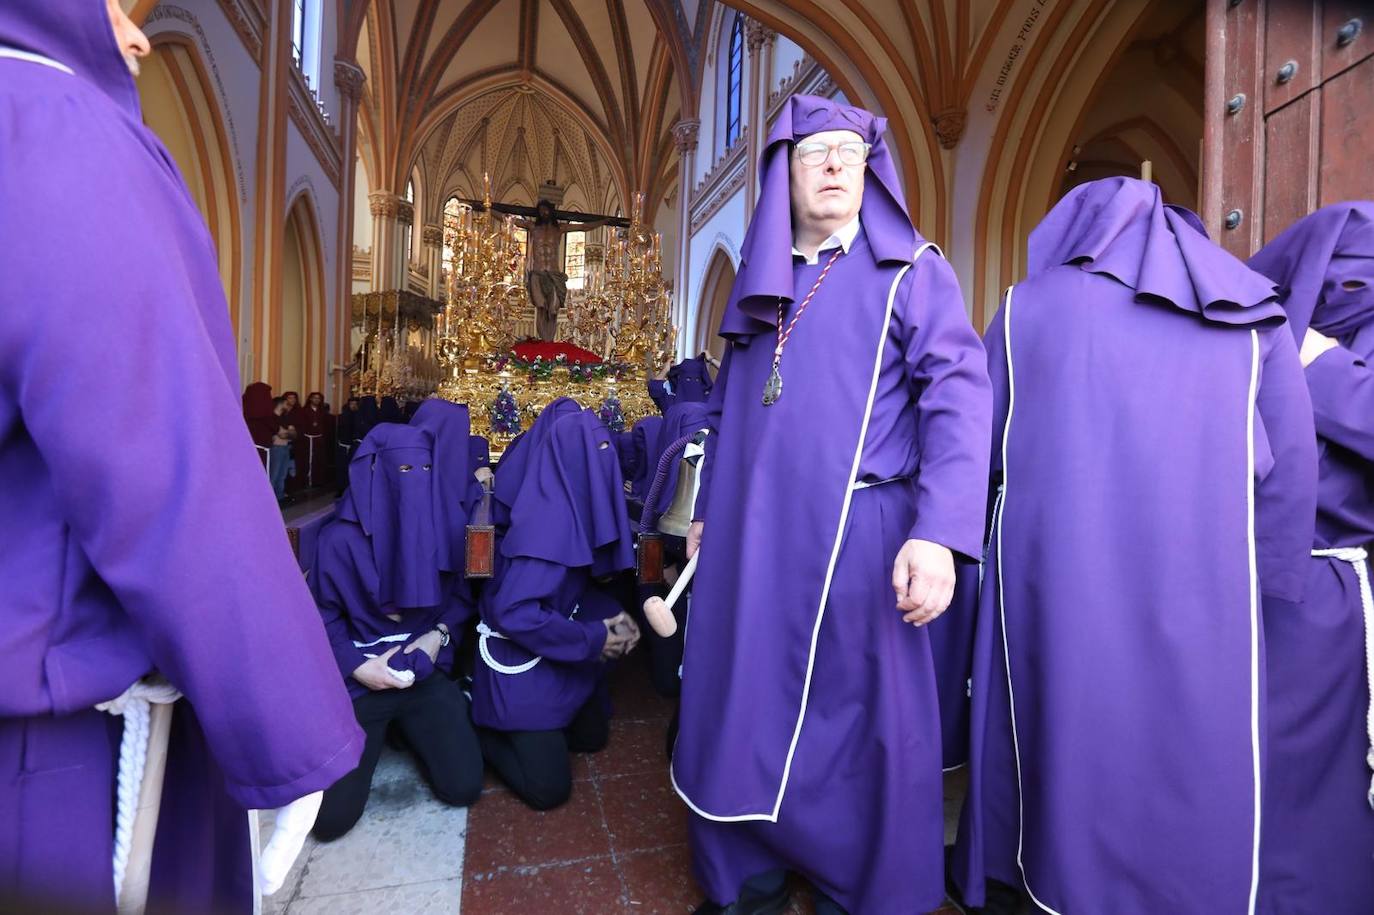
[685,134]
[760,40]
[348,79]
[433,238]
[386,239]
[406,243]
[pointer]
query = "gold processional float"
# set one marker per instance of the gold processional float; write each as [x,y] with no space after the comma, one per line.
[461,349]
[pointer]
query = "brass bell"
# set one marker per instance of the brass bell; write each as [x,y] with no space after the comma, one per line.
[678,518]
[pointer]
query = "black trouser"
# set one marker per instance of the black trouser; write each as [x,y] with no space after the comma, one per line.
[535,764]
[432,717]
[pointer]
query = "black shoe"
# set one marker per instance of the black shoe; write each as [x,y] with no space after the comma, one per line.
[771,905]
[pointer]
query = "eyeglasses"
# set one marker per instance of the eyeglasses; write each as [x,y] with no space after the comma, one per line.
[851,153]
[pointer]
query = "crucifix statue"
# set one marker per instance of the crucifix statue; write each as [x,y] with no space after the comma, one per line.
[545,279]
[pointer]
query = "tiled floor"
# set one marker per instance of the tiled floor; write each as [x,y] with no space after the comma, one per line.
[618,846]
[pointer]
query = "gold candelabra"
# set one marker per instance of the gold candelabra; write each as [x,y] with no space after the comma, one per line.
[628,296]
[485,286]
[398,352]
[625,316]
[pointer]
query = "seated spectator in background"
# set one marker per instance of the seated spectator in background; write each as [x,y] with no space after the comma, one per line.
[394,621]
[548,624]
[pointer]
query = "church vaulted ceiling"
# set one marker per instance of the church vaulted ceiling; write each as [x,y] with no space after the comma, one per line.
[581,92]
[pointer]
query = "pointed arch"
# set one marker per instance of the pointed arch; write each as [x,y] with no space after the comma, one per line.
[297,356]
[180,106]
[711,301]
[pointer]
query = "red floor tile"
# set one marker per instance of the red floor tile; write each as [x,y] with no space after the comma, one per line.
[590,887]
[659,882]
[642,812]
[504,833]
[635,747]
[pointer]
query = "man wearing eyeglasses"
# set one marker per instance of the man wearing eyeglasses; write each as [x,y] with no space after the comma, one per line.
[846,475]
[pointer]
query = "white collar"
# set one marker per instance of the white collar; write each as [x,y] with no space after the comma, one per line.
[844,237]
[16,54]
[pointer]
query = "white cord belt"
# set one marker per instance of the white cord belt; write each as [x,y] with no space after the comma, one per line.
[142,762]
[1358,557]
[485,632]
[310,459]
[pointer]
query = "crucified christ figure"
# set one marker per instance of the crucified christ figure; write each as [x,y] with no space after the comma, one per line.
[545,280]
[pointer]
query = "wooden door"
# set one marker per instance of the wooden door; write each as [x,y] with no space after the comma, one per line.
[1289,114]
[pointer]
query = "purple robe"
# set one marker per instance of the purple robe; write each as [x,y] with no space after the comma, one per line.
[810,735]
[1155,449]
[456,490]
[382,559]
[117,562]
[687,382]
[684,419]
[644,439]
[515,463]
[480,451]
[541,635]
[1318,850]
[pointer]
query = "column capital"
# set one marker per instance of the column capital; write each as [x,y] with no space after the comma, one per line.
[349,78]
[405,212]
[433,235]
[685,134]
[756,35]
[385,204]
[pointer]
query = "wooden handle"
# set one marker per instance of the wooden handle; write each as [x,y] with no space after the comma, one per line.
[659,611]
[133,895]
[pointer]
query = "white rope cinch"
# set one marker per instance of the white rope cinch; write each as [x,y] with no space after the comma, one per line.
[485,632]
[135,704]
[1358,557]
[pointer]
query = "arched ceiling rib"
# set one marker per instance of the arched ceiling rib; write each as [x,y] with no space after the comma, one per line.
[560,82]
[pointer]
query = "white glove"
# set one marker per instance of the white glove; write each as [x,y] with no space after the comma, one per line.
[293,825]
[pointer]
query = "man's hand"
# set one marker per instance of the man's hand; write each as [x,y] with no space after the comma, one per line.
[376,675]
[484,475]
[694,537]
[923,577]
[1313,345]
[429,643]
[621,635]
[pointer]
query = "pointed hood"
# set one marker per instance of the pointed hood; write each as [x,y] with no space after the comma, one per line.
[1119,227]
[1324,267]
[765,273]
[76,34]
